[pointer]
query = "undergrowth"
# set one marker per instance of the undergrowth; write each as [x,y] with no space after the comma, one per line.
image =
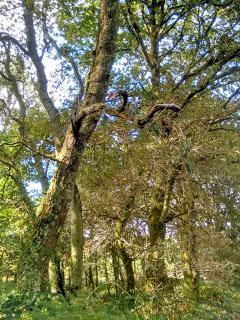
[216,302]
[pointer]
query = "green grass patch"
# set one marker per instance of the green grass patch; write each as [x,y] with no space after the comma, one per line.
[217,302]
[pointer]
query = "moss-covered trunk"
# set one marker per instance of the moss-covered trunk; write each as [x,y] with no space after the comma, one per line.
[116,269]
[54,206]
[156,276]
[106,275]
[120,245]
[188,244]
[128,267]
[155,266]
[56,277]
[76,241]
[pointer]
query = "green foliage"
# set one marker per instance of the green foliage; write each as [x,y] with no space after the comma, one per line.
[16,304]
[218,301]
[41,306]
[9,240]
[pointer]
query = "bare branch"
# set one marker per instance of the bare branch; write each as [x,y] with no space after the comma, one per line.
[19,183]
[230,114]
[5,77]
[233,95]
[71,61]
[134,28]
[5,37]
[8,164]
[218,60]
[37,152]
[222,119]
[68,58]
[12,79]
[28,146]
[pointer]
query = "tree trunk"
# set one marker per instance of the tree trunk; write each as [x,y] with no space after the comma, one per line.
[128,267]
[155,265]
[156,276]
[120,246]
[96,268]
[106,276]
[77,241]
[188,242]
[56,278]
[90,277]
[86,279]
[66,277]
[54,206]
[116,270]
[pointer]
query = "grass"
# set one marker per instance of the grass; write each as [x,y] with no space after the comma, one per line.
[218,301]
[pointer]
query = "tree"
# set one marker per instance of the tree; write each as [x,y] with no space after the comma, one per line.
[178,49]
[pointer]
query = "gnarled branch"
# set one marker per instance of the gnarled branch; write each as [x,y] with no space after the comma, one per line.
[77,121]
[158,107]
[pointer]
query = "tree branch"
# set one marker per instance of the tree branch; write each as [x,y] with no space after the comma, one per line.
[159,107]
[77,121]
[5,37]
[134,28]
[72,63]
[41,76]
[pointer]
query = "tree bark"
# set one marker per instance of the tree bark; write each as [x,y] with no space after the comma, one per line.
[90,277]
[121,249]
[77,241]
[54,206]
[106,275]
[116,270]
[56,278]
[128,267]
[188,243]
[96,269]
[156,276]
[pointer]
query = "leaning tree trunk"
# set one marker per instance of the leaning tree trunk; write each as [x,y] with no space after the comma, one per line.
[54,206]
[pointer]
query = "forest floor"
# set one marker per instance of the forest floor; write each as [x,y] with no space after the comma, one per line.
[217,302]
